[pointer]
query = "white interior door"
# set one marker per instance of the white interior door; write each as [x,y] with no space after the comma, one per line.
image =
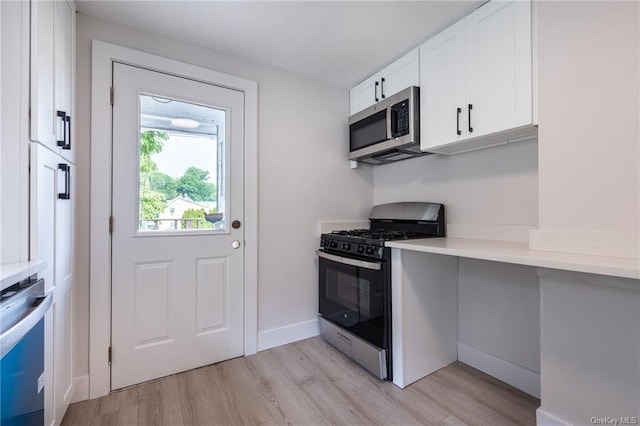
[177,275]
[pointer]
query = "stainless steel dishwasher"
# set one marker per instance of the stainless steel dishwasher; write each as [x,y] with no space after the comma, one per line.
[22,310]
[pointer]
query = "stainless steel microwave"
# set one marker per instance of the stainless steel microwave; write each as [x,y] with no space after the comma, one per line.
[387,131]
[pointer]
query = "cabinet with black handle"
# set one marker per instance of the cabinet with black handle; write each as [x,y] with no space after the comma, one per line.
[52,196]
[395,77]
[52,208]
[51,80]
[476,78]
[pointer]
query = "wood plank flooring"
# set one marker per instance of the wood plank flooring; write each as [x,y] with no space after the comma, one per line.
[308,383]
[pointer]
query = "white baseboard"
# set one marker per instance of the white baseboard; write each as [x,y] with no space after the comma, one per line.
[288,334]
[517,376]
[545,419]
[81,388]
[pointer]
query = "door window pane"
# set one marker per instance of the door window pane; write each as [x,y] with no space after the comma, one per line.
[181,161]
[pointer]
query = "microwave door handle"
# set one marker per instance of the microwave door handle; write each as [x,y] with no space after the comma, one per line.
[394,123]
[389,123]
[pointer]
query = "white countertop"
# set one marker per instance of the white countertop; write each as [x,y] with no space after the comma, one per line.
[11,273]
[519,253]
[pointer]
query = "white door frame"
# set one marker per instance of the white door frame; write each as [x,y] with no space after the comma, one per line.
[103,56]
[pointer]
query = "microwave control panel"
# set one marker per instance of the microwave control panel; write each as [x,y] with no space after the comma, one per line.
[400,119]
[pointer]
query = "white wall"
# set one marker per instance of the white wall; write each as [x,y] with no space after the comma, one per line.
[499,321]
[494,186]
[499,309]
[589,110]
[589,188]
[303,173]
[590,342]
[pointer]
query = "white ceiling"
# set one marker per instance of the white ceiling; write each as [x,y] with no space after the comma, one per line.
[338,42]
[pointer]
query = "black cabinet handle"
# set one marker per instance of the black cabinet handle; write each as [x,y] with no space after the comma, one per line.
[470,128]
[458,111]
[63,117]
[66,195]
[67,123]
[375,91]
[382,88]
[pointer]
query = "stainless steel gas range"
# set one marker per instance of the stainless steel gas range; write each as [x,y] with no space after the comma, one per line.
[355,280]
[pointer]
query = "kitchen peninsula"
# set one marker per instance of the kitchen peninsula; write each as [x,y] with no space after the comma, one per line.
[520,254]
[589,323]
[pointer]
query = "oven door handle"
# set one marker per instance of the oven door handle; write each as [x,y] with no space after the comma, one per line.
[348,261]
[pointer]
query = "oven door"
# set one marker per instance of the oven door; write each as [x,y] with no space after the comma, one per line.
[355,294]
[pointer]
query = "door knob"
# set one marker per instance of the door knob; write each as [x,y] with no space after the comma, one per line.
[235,244]
[236,224]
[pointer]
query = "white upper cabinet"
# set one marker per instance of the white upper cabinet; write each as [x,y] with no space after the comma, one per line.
[476,80]
[443,87]
[400,74]
[63,51]
[364,94]
[499,84]
[43,108]
[392,79]
[52,51]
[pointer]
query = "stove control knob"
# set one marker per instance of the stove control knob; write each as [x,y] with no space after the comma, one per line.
[360,249]
[333,244]
[369,250]
[346,246]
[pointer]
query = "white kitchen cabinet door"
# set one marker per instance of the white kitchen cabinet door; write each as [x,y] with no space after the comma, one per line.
[364,94]
[44,121]
[62,358]
[476,81]
[63,331]
[400,74]
[52,241]
[499,67]
[64,54]
[392,79]
[51,74]
[443,88]
[44,196]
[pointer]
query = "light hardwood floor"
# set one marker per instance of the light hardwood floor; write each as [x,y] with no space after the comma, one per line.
[308,383]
